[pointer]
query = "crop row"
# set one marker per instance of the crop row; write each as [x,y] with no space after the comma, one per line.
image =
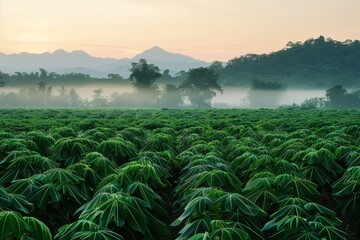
[194,182]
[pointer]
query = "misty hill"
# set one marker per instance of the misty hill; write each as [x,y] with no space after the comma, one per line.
[61,61]
[314,63]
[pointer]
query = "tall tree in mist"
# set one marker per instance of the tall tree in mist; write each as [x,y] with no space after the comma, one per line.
[144,74]
[171,97]
[201,86]
[336,95]
[265,94]
[45,91]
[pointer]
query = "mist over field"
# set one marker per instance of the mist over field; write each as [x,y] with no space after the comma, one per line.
[186,120]
[232,97]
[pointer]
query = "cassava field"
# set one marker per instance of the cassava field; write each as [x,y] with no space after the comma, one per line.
[179,174]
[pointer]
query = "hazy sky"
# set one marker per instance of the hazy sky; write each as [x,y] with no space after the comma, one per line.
[205,29]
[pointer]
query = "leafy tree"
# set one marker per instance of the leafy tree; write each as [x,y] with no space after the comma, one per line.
[115,76]
[98,99]
[144,74]
[171,97]
[74,98]
[217,67]
[201,86]
[15,226]
[336,95]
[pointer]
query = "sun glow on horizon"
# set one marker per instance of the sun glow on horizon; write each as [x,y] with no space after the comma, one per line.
[208,30]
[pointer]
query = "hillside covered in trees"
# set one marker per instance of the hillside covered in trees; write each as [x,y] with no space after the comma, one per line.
[314,63]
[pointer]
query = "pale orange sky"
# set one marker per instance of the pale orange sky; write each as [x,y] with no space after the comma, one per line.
[204,29]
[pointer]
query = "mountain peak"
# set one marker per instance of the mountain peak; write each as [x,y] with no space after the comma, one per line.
[159,54]
[155,50]
[80,53]
[60,52]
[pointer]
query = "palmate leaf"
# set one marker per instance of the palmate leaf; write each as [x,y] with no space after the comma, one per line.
[333,233]
[197,205]
[262,198]
[306,235]
[13,201]
[229,234]
[285,166]
[259,183]
[120,209]
[91,178]
[70,150]
[143,192]
[102,165]
[296,186]
[292,223]
[104,234]
[201,236]
[60,175]
[317,174]
[119,151]
[8,145]
[219,179]
[195,227]
[352,158]
[290,210]
[348,183]
[234,202]
[67,231]
[24,186]
[45,194]
[243,162]
[11,224]
[324,158]
[37,230]
[319,209]
[4,198]
[161,142]
[146,172]
[69,189]
[352,204]
[120,178]
[199,192]
[326,221]
[19,202]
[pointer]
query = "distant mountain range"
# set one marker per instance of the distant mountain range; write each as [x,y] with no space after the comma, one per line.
[61,61]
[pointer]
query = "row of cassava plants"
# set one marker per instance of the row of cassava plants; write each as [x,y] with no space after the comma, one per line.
[91,185]
[236,178]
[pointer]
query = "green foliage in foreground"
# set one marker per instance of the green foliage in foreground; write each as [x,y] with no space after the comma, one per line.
[179,174]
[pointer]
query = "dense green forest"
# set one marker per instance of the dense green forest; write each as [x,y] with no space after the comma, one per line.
[320,63]
[314,63]
[179,174]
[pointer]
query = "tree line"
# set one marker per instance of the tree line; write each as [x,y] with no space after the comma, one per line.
[335,97]
[200,85]
[316,62]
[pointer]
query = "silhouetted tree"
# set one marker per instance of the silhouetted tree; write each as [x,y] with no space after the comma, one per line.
[264,93]
[98,99]
[171,97]
[63,96]
[144,74]
[2,83]
[43,73]
[340,98]
[336,95]
[201,86]
[115,76]
[45,91]
[74,98]
[217,66]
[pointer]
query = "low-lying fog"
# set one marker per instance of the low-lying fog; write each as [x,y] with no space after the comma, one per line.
[231,97]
